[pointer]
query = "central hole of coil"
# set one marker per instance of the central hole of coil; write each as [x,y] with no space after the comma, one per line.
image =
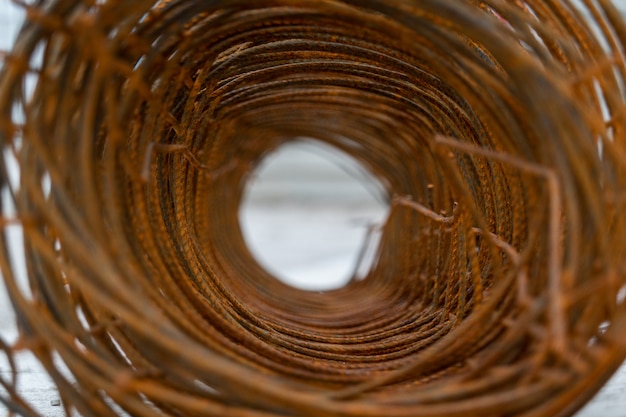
[309,215]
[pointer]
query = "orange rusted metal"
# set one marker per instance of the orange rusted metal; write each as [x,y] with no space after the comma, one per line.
[496,126]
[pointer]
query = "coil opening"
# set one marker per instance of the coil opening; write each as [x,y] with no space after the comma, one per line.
[311,215]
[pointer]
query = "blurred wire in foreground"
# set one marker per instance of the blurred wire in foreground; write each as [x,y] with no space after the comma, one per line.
[497,128]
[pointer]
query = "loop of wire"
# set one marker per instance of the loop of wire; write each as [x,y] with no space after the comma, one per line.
[497,128]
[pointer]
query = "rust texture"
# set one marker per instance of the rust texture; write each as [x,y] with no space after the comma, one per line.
[497,128]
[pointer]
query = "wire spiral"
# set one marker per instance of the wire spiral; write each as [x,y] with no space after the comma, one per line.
[496,127]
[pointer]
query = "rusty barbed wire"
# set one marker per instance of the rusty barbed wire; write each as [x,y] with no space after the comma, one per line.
[496,127]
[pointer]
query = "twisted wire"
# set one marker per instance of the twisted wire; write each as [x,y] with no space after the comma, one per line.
[496,128]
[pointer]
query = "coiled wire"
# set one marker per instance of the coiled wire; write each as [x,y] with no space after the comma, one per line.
[496,127]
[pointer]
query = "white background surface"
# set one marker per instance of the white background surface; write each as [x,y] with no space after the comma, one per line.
[311,248]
